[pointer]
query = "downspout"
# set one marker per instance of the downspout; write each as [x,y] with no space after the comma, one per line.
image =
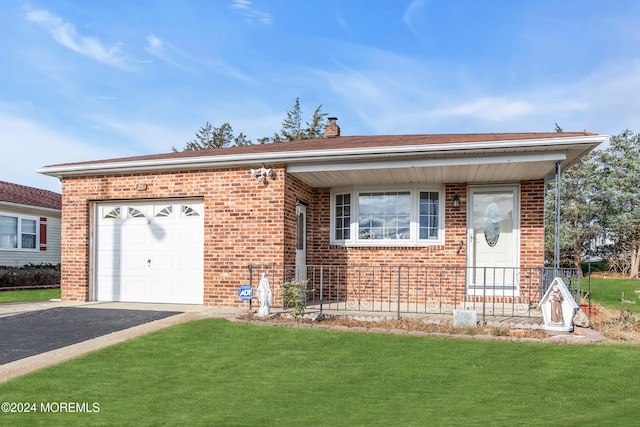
[556,252]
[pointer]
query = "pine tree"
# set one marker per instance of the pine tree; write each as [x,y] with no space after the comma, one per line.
[209,136]
[292,129]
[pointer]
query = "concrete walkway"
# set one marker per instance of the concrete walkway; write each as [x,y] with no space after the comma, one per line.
[188,313]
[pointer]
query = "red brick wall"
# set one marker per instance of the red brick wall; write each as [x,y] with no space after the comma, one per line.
[436,255]
[452,253]
[243,224]
[296,192]
[249,223]
[532,224]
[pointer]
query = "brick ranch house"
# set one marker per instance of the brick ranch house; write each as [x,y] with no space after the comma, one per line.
[185,227]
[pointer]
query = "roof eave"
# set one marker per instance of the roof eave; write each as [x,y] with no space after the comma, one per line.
[302,156]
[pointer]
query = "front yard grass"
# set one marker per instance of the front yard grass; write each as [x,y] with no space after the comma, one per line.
[215,372]
[608,292]
[29,295]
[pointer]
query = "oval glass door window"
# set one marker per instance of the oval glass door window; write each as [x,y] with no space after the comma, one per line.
[492,225]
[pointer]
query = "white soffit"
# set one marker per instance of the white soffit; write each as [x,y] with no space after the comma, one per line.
[503,168]
[426,163]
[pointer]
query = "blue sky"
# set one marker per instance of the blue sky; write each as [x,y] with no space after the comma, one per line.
[86,80]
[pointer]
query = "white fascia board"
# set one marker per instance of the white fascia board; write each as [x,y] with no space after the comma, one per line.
[422,163]
[29,207]
[220,161]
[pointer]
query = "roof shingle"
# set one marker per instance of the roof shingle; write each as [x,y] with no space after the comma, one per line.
[345,142]
[30,196]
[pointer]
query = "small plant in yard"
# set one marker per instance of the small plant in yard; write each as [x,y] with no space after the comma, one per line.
[294,295]
[625,313]
[500,331]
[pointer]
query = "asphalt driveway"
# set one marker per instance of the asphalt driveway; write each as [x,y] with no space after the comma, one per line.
[27,334]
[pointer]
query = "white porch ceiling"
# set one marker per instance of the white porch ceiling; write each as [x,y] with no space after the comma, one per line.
[469,168]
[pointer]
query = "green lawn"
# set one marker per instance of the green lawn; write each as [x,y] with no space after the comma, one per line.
[608,292]
[31,295]
[214,372]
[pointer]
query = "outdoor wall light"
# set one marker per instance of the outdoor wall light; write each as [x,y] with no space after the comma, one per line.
[456,201]
[262,174]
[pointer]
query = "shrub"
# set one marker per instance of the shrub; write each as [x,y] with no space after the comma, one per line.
[294,295]
[30,275]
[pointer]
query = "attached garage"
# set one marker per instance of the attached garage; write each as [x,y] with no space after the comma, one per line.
[149,251]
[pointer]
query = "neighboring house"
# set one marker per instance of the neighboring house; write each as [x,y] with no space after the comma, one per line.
[185,227]
[29,225]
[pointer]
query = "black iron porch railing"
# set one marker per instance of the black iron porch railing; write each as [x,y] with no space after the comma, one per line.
[398,290]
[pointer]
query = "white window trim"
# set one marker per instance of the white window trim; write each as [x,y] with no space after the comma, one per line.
[19,231]
[414,241]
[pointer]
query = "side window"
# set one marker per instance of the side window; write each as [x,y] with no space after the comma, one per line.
[18,232]
[342,217]
[429,215]
[28,234]
[8,232]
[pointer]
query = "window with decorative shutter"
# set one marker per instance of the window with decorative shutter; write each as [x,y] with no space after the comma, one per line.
[43,233]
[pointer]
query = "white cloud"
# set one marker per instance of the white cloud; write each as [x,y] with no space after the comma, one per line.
[158,48]
[251,14]
[148,137]
[413,15]
[65,34]
[376,91]
[491,108]
[179,58]
[29,145]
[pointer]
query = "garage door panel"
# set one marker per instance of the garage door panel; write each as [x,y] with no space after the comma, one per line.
[184,237]
[187,264]
[134,289]
[109,236]
[153,254]
[109,289]
[135,236]
[109,262]
[163,262]
[136,264]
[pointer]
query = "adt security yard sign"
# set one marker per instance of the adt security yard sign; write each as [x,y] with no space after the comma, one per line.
[245,292]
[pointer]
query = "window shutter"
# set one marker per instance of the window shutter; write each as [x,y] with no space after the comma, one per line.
[43,234]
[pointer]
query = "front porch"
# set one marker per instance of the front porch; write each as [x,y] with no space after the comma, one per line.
[497,295]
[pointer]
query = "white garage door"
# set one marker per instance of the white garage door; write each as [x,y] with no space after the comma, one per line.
[150,252]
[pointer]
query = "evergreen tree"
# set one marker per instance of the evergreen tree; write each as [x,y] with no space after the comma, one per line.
[577,188]
[209,137]
[619,213]
[292,129]
[599,202]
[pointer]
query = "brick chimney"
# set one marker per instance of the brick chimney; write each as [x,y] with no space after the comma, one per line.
[331,130]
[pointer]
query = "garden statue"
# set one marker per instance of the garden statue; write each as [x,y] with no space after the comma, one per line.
[556,298]
[558,307]
[264,295]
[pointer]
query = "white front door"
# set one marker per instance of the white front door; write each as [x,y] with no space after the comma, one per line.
[149,252]
[493,240]
[301,242]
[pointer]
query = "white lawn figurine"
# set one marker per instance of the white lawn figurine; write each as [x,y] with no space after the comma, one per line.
[264,295]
